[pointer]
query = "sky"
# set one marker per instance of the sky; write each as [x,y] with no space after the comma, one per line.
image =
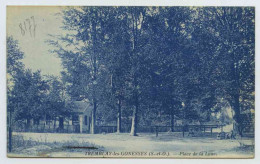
[31,41]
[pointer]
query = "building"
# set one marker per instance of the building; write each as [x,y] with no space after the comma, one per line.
[81,116]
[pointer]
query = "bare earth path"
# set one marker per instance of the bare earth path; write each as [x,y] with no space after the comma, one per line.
[166,144]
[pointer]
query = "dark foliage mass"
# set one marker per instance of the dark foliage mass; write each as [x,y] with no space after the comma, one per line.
[149,64]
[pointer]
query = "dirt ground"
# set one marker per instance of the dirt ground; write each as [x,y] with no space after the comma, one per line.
[166,145]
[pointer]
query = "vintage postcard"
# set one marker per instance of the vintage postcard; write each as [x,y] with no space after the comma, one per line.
[130,82]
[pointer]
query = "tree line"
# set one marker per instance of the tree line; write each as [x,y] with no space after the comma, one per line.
[31,95]
[143,62]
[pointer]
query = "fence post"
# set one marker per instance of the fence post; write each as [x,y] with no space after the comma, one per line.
[183,129]
[43,131]
[156,131]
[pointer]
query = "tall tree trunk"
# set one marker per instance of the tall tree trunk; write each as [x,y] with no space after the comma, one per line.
[172,122]
[10,139]
[135,115]
[10,132]
[28,123]
[236,96]
[237,117]
[54,124]
[119,117]
[136,65]
[61,124]
[134,122]
[93,118]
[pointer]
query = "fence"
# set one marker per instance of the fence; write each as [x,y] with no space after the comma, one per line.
[126,128]
[153,129]
[47,129]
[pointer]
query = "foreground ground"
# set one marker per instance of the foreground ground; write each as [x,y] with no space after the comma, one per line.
[124,145]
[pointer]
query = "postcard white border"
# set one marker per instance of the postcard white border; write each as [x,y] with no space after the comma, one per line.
[4,3]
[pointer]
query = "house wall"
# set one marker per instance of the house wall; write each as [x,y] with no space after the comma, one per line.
[84,123]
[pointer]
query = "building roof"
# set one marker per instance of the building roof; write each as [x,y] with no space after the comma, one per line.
[82,107]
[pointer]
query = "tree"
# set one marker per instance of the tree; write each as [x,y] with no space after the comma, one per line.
[54,100]
[27,96]
[158,59]
[172,61]
[84,71]
[232,30]
[14,67]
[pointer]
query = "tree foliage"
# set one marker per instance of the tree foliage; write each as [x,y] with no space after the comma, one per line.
[141,63]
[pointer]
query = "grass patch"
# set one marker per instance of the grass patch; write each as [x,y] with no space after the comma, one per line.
[43,148]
